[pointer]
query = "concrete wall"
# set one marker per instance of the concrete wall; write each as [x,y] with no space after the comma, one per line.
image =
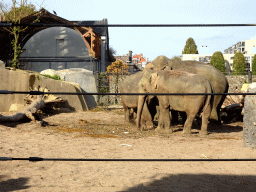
[86,80]
[23,81]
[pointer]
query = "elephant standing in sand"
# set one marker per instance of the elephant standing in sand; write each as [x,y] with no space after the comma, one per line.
[215,77]
[131,85]
[176,81]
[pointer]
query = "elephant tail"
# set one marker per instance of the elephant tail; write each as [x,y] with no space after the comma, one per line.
[208,101]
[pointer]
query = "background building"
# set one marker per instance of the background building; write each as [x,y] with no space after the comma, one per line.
[139,60]
[247,47]
[244,47]
[46,47]
[135,63]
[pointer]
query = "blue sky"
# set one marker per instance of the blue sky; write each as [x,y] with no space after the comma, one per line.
[153,41]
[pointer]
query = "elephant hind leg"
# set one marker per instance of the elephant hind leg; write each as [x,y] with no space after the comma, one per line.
[205,119]
[214,114]
[188,123]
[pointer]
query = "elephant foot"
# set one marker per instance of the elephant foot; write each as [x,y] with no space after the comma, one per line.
[140,129]
[186,132]
[150,126]
[168,131]
[159,130]
[203,133]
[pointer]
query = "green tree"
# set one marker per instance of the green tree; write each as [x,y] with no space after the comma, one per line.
[239,64]
[217,60]
[254,65]
[190,47]
[14,15]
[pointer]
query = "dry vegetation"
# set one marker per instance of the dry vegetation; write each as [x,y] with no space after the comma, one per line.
[103,122]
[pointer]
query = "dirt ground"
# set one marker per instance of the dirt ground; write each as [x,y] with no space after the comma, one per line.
[103,134]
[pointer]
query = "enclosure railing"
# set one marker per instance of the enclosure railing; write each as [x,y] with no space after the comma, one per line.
[74,93]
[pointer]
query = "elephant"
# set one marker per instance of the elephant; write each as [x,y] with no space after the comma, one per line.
[176,81]
[217,79]
[131,85]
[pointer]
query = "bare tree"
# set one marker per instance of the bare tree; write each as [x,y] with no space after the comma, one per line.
[112,52]
[14,14]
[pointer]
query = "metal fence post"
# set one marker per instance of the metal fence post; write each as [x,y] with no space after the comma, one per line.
[249,76]
[98,86]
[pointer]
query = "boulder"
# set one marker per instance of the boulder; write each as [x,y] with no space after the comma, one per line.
[249,129]
[17,107]
[50,72]
[2,65]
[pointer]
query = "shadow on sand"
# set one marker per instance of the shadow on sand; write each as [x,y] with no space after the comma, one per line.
[200,182]
[13,184]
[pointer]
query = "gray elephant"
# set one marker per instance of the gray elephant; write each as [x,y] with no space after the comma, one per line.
[215,77]
[131,85]
[177,81]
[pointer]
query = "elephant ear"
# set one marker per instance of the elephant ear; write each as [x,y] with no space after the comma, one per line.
[153,80]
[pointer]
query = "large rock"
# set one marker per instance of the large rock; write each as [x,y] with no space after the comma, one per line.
[50,72]
[249,130]
[83,77]
[17,107]
[2,65]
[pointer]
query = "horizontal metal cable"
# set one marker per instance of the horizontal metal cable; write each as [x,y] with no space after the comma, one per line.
[56,59]
[75,93]
[124,25]
[136,160]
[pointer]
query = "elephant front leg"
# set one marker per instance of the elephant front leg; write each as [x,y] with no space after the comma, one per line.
[126,114]
[164,122]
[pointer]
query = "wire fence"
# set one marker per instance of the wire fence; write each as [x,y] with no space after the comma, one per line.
[75,93]
[114,160]
[124,25]
[35,159]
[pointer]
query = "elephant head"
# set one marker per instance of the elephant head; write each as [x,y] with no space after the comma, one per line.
[161,63]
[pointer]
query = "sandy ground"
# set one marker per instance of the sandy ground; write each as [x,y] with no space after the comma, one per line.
[104,134]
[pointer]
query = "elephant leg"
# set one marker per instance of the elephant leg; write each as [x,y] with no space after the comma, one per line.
[205,119]
[217,102]
[131,115]
[126,113]
[147,117]
[164,123]
[215,113]
[183,117]
[188,123]
[146,120]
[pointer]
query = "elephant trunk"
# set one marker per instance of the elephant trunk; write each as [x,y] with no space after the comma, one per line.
[141,102]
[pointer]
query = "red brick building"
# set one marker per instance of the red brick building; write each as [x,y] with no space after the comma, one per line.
[135,63]
[139,60]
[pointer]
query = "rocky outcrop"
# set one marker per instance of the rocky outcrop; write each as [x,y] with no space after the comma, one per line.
[249,130]
[2,65]
[83,77]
